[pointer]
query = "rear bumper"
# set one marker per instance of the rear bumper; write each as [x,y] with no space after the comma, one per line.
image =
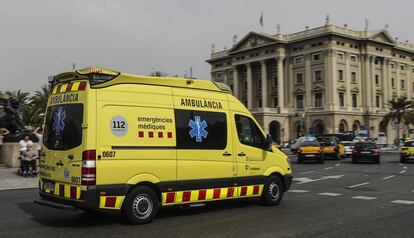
[88,199]
[407,156]
[287,179]
[310,156]
[365,157]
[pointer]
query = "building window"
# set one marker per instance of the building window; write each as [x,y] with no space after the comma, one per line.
[402,67]
[318,76]
[341,99]
[392,65]
[230,73]
[340,56]
[275,102]
[274,81]
[299,60]
[219,75]
[353,77]
[412,70]
[318,99]
[299,78]
[412,89]
[392,83]
[259,102]
[353,58]
[317,57]
[402,84]
[245,84]
[259,84]
[299,101]
[231,87]
[354,100]
[377,79]
[340,75]
[376,62]
[377,101]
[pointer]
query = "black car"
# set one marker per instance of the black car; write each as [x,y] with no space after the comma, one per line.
[366,151]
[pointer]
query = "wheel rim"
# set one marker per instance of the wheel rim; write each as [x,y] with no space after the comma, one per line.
[142,206]
[274,191]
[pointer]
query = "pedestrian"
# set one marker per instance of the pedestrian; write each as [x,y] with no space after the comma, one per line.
[29,161]
[24,143]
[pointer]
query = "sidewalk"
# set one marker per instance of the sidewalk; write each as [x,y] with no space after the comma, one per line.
[10,180]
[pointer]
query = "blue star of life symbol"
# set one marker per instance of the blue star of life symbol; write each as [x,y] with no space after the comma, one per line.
[58,123]
[198,129]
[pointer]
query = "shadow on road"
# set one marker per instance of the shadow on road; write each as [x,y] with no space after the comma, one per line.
[81,219]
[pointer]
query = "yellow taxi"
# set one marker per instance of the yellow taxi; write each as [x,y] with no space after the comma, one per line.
[331,147]
[310,150]
[407,151]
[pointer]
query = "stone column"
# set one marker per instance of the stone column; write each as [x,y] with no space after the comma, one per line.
[347,73]
[236,82]
[249,86]
[373,83]
[398,79]
[264,84]
[334,81]
[389,75]
[367,82]
[280,81]
[408,81]
[327,81]
[385,83]
[308,82]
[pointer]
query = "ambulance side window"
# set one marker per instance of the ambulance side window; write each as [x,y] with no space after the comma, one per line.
[201,130]
[248,132]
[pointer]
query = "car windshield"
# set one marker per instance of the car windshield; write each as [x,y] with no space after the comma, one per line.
[310,143]
[365,145]
[409,143]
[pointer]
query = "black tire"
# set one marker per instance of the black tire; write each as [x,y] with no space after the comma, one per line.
[354,160]
[272,191]
[300,160]
[141,205]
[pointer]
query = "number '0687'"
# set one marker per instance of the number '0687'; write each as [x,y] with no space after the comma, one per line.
[109,154]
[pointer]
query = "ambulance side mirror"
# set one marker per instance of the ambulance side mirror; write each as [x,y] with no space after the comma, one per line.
[268,143]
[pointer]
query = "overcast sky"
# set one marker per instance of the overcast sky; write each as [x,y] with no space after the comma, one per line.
[40,38]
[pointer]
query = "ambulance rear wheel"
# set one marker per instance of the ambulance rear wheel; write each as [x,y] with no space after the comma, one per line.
[273,191]
[141,205]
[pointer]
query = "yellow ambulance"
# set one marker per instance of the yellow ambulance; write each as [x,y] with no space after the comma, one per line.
[129,143]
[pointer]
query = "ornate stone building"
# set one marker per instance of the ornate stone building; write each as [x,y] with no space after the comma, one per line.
[324,80]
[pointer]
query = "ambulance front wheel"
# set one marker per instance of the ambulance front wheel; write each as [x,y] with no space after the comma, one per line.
[272,191]
[141,205]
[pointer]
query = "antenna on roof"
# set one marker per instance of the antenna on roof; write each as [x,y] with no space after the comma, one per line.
[73,66]
[191,72]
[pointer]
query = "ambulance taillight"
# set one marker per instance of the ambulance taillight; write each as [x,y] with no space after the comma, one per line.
[89,167]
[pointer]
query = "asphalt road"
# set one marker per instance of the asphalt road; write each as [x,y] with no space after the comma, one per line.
[334,199]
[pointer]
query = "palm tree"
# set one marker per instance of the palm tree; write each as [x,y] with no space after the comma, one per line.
[38,105]
[158,74]
[399,109]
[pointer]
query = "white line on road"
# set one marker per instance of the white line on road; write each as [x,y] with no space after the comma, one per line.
[403,171]
[308,172]
[405,167]
[328,168]
[357,185]
[388,177]
[330,194]
[2,189]
[337,165]
[403,202]
[364,197]
[298,191]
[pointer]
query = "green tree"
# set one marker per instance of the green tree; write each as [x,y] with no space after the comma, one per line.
[23,98]
[38,104]
[399,110]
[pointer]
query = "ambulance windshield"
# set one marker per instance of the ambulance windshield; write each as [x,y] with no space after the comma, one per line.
[63,127]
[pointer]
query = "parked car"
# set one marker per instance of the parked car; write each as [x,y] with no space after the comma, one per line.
[407,151]
[348,147]
[296,143]
[366,151]
[310,150]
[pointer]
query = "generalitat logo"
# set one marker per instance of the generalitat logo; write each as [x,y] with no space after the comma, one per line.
[198,129]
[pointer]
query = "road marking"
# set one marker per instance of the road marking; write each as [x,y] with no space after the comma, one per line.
[403,202]
[298,191]
[3,189]
[405,167]
[337,165]
[308,180]
[364,197]
[328,168]
[388,177]
[330,194]
[357,185]
[308,172]
[403,171]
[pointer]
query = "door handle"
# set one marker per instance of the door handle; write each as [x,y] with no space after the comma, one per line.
[70,156]
[241,154]
[226,154]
